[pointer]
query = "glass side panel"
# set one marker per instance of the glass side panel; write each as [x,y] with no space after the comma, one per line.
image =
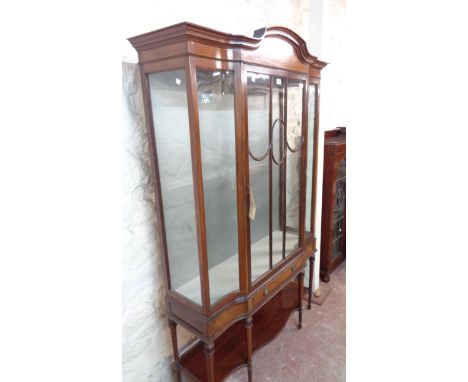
[310,157]
[258,87]
[171,125]
[218,151]
[293,162]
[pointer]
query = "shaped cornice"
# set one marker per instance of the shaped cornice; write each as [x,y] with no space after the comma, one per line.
[186,31]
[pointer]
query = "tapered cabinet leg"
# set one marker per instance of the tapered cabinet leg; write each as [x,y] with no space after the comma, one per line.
[300,297]
[175,349]
[209,356]
[248,341]
[311,274]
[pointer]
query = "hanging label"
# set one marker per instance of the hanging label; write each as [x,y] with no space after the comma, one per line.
[252,208]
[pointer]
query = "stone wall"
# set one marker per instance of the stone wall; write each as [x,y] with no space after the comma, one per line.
[146,353]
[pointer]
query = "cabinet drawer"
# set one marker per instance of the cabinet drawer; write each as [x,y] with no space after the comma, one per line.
[273,285]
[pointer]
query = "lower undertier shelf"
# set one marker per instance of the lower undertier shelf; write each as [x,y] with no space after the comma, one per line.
[230,348]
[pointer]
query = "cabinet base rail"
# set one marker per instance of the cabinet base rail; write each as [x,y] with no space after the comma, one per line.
[230,349]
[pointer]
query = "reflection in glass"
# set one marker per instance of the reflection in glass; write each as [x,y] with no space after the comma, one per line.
[310,156]
[293,162]
[275,152]
[258,87]
[171,127]
[278,150]
[339,210]
[218,151]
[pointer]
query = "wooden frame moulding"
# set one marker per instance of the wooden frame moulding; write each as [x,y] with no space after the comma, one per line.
[284,178]
[195,145]
[314,81]
[270,177]
[303,170]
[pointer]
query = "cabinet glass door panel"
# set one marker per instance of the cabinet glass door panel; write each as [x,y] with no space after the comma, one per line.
[258,87]
[275,140]
[172,135]
[294,138]
[278,109]
[215,89]
[310,156]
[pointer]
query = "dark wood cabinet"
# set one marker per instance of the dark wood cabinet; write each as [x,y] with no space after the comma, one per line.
[333,238]
[232,124]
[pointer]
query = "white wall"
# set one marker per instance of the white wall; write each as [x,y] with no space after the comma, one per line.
[146,353]
[232,16]
[327,34]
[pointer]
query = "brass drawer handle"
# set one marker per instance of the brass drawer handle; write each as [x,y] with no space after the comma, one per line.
[266,291]
[293,268]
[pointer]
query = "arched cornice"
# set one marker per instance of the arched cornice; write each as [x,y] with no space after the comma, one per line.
[192,32]
[297,42]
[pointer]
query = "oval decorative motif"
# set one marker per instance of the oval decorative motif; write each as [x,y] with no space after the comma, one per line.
[286,145]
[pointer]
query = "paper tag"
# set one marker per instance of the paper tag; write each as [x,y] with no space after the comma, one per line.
[252,208]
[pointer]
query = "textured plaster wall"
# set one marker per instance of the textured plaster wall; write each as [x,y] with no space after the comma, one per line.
[146,340]
[146,353]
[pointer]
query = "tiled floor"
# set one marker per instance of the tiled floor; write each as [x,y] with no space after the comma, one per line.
[315,353]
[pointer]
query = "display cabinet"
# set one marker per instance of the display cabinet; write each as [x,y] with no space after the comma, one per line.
[232,124]
[333,238]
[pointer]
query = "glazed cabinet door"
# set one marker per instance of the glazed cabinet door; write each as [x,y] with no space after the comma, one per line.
[194,129]
[275,110]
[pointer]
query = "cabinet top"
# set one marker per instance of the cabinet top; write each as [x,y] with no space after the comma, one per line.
[193,36]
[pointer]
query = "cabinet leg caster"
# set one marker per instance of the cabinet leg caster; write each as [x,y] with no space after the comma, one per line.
[325,277]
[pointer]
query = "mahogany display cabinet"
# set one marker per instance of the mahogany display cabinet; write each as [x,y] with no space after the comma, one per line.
[333,238]
[232,124]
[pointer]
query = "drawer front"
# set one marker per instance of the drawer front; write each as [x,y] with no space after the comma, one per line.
[224,319]
[273,285]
